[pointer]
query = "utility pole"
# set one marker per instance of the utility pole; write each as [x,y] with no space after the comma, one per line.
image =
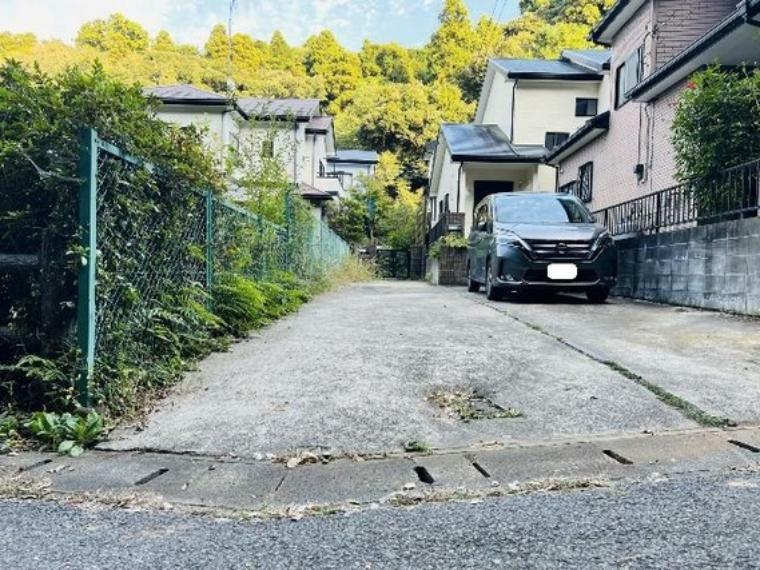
[230,81]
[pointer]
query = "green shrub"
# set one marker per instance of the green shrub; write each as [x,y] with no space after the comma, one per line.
[717,122]
[66,433]
[239,303]
[450,240]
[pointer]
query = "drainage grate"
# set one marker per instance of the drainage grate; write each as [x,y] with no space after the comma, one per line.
[743,445]
[617,457]
[151,477]
[35,465]
[424,475]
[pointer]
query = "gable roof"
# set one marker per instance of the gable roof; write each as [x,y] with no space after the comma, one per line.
[545,69]
[184,94]
[320,125]
[487,143]
[357,156]
[597,60]
[615,18]
[298,109]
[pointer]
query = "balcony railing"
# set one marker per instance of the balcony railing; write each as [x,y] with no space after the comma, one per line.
[450,222]
[729,195]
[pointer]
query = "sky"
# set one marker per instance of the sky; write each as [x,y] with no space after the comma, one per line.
[408,22]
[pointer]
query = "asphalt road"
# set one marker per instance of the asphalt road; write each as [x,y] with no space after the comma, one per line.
[699,521]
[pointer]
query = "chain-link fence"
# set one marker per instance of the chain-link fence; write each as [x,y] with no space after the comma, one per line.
[146,239]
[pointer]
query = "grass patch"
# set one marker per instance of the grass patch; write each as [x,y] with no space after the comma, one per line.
[417,446]
[688,409]
[470,404]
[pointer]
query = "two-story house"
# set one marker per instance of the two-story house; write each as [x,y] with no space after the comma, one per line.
[350,165]
[293,131]
[526,108]
[656,45]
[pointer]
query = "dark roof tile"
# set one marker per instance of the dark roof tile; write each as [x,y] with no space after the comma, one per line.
[183,94]
[301,109]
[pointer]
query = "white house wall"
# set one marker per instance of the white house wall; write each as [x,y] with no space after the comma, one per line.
[498,105]
[546,106]
[286,146]
[218,124]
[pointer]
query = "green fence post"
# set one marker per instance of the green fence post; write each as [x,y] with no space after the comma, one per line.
[288,221]
[88,190]
[209,240]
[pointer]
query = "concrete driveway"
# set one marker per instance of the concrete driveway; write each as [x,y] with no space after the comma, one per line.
[353,372]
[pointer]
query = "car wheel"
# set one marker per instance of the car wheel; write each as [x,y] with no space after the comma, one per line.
[472,285]
[598,296]
[492,293]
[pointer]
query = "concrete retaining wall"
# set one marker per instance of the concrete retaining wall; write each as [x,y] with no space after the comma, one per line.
[715,266]
[450,268]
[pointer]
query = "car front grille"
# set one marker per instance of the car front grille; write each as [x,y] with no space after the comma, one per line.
[558,250]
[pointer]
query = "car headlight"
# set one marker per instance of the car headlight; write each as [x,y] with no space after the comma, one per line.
[513,240]
[603,242]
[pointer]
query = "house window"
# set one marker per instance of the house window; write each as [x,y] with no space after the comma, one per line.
[586,107]
[446,205]
[585,184]
[553,140]
[267,148]
[629,74]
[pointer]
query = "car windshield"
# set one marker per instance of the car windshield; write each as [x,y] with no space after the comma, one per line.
[540,210]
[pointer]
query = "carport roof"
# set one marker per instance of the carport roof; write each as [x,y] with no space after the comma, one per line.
[487,143]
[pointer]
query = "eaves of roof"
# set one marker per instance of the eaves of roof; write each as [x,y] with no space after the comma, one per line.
[588,132]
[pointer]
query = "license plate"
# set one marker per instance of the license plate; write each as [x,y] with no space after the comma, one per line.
[562,271]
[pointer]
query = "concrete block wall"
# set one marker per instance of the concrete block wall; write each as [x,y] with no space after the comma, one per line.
[715,266]
[450,268]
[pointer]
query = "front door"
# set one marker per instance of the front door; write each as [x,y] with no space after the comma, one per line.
[485,188]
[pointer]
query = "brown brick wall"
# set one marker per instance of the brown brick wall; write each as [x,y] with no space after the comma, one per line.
[641,133]
[678,23]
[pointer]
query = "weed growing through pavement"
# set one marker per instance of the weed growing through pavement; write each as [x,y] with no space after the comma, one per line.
[470,404]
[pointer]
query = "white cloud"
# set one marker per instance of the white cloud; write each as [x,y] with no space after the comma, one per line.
[190,21]
[61,19]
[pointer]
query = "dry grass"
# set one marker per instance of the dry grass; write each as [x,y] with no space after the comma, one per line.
[352,270]
[468,404]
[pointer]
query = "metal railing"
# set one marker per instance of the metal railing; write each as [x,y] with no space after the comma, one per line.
[450,222]
[732,194]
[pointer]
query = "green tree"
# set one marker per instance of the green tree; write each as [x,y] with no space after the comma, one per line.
[451,47]
[12,45]
[583,12]
[326,58]
[163,42]
[218,44]
[400,219]
[116,34]
[282,56]
[390,61]
[247,55]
